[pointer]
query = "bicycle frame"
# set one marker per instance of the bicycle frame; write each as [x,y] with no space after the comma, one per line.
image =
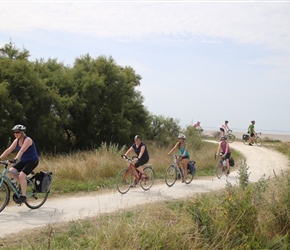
[221,166]
[125,178]
[4,176]
[34,199]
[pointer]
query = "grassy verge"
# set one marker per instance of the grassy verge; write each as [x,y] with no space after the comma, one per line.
[250,216]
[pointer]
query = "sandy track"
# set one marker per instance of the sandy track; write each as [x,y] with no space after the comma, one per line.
[15,218]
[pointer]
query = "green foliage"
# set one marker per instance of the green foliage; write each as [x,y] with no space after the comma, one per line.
[73,108]
[193,138]
[163,131]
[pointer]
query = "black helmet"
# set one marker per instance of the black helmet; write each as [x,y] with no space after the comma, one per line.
[19,127]
[252,121]
[226,121]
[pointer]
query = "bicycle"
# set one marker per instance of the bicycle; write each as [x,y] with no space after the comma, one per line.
[221,167]
[257,139]
[173,172]
[129,177]
[228,134]
[34,199]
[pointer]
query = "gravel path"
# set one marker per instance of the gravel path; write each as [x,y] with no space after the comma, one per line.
[13,219]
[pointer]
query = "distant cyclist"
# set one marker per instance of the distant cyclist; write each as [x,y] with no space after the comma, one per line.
[198,127]
[224,128]
[251,131]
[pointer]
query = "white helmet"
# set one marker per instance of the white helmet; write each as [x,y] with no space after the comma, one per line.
[181,136]
[19,127]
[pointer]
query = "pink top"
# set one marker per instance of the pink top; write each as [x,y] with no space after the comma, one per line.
[224,147]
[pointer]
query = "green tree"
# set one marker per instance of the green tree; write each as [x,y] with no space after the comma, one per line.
[164,131]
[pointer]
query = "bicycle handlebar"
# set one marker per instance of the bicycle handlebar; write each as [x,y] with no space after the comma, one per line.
[128,158]
[6,162]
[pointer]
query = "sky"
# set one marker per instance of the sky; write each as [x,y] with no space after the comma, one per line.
[206,61]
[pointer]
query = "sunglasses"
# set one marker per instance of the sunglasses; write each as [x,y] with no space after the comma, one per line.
[16,132]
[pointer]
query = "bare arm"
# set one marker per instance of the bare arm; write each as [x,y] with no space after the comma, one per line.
[9,150]
[129,150]
[176,145]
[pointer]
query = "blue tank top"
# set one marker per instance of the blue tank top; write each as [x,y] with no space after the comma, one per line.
[181,150]
[30,154]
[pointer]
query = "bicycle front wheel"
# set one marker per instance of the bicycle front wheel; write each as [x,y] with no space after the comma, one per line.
[217,136]
[219,170]
[231,138]
[149,180]
[170,175]
[124,180]
[258,141]
[4,195]
[34,199]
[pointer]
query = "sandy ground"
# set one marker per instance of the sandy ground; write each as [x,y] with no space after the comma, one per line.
[15,218]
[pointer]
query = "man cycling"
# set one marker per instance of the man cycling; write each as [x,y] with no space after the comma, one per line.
[251,131]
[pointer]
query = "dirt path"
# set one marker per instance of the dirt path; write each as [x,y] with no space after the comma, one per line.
[14,218]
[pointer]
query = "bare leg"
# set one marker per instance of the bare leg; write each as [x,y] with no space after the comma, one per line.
[23,183]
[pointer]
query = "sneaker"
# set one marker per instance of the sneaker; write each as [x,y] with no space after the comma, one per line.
[182,180]
[250,144]
[228,172]
[135,182]
[21,199]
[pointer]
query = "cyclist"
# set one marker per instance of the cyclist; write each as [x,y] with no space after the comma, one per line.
[183,154]
[225,149]
[251,131]
[26,158]
[140,148]
[224,128]
[197,126]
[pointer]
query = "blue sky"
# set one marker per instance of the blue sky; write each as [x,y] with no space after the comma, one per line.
[199,60]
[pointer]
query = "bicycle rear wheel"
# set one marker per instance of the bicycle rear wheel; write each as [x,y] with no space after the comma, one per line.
[34,199]
[246,141]
[258,141]
[217,136]
[148,182]
[189,177]
[124,180]
[231,138]
[170,175]
[4,195]
[219,169]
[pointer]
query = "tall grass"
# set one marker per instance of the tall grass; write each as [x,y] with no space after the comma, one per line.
[97,169]
[247,216]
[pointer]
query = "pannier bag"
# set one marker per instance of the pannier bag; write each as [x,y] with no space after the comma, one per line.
[191,167]
[231,162]
[245,137]
[43,181]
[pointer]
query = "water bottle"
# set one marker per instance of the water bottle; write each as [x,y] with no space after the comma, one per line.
[14,182]
[224,163]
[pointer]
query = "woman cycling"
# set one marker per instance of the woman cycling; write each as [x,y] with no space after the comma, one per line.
[26,158]
[140,149]
[183,154]
[225,149]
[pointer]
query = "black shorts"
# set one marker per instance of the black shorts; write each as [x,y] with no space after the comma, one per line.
[26,168]
[221,129]
[252,134]
[185,157]
[228,155]
[141,162]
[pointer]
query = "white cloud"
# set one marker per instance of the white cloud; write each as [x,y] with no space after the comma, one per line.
[257,23]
